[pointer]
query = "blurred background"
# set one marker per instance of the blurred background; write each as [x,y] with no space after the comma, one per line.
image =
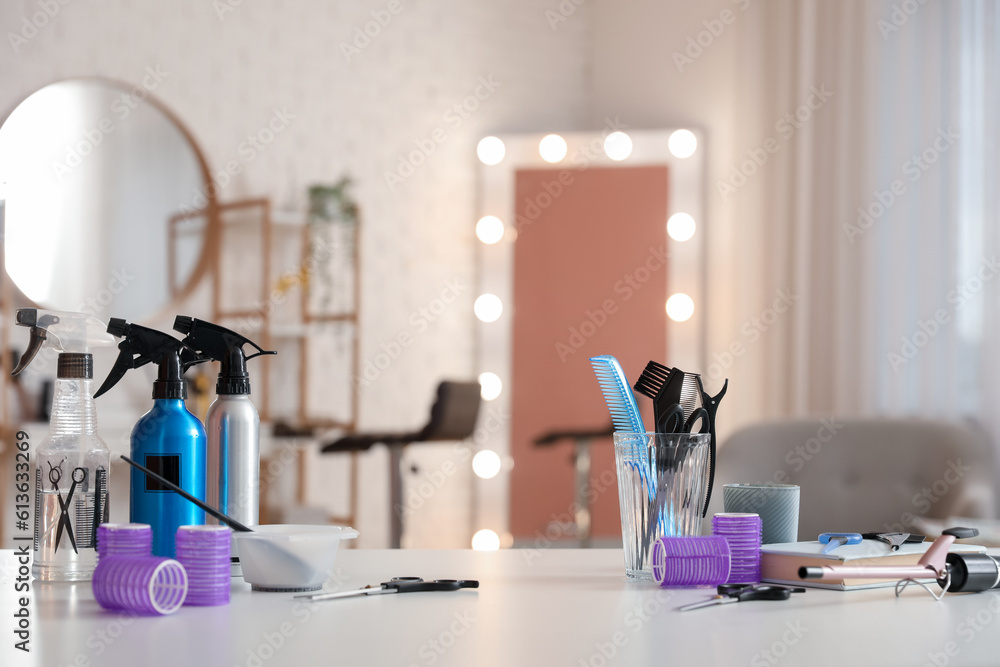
[312,173]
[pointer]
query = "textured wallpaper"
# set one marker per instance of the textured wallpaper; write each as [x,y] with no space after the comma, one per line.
[393,93]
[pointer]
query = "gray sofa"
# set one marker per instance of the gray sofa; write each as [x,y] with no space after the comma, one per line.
[862,475]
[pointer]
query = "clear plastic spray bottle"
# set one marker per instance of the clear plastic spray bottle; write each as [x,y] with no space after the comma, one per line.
[72,464]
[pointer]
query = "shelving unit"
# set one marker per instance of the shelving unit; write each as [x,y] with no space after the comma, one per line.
[289,322]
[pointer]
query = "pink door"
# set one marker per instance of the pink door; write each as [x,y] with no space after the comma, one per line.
[590,278]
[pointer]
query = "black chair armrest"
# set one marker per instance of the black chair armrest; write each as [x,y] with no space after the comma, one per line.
[360,443]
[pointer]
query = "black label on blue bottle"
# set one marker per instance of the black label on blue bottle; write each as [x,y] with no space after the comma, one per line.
[167,466]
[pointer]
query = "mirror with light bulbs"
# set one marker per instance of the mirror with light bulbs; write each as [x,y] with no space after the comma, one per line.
[590,243]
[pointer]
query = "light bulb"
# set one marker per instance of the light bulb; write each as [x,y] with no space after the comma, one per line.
[552,148]
[491,150]
[618,146]
[489,229]
[488,307]
[486,464]
[682,143]
[680,307]
[680,226]
[491,385]
[485,540]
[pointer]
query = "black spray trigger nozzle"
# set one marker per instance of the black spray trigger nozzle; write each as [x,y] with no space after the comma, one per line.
[65,332]
[141,345]
[38,338]
[222,345]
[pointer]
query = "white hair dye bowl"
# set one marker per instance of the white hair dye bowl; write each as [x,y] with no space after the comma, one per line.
[290,558]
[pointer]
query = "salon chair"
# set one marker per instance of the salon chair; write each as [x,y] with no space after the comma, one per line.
[453,417]
[861,475]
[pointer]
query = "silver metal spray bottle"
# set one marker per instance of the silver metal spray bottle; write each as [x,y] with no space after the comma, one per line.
[232,423]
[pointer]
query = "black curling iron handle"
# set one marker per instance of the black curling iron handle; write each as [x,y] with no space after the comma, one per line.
[972,573]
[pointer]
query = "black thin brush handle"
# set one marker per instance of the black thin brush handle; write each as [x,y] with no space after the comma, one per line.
[224,518]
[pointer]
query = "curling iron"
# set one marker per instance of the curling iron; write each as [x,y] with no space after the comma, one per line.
[954,572]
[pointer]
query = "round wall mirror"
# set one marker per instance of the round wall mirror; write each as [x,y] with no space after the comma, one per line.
[106,200]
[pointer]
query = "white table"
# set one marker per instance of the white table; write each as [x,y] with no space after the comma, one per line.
[555,607]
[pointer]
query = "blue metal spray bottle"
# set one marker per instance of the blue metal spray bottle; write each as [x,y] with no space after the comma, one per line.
[168,439]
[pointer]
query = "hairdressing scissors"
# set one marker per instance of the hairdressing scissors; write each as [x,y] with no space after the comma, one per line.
[55,476]
[399,585]
[729,593]
[673,421]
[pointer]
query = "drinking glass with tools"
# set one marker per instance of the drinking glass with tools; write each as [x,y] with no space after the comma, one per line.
[665,476]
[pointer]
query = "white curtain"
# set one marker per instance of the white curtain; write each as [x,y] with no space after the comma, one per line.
[879,206]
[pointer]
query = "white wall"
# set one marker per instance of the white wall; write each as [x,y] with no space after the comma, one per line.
[226,76]
[637,78]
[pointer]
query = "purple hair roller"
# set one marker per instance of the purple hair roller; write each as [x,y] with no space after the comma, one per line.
[141,584]
[743,533]
[205,552]
[691,561]
[124,539]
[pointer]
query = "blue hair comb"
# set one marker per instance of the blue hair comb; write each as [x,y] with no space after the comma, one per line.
[617,394]
[624,411]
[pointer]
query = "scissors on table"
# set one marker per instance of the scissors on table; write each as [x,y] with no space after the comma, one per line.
[55,476]
[399,585]
[729,593]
